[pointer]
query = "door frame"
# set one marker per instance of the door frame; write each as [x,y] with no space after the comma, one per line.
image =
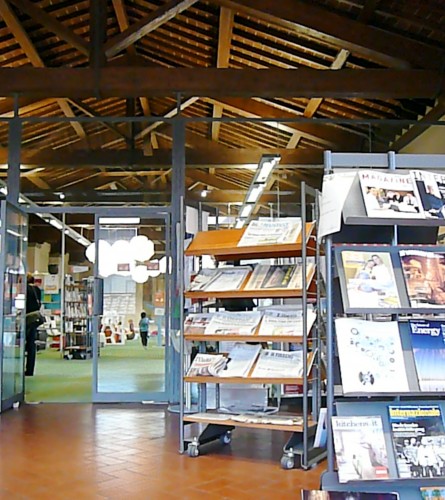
[163,214]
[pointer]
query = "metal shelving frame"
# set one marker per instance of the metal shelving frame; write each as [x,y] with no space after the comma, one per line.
[298,451]
[408,489]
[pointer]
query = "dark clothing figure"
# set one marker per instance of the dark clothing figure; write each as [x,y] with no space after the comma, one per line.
[33,303]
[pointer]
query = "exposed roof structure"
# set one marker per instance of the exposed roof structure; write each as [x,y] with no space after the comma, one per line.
[352,73]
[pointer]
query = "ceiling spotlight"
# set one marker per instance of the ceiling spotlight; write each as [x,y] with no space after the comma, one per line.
[204,193]
[62,196]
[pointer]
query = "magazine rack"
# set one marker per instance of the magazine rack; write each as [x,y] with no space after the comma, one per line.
[222,245]
[389,231]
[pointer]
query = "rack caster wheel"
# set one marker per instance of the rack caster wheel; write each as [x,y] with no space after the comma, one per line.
[226,438]
[193,450]
[287,462]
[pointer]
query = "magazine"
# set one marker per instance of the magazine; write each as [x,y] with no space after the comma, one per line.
[279,364]
[321,433]
[233,323]
[424,274]
[430,189]
[240,360]
[346,495]
[371,356]
[428,344]
[278,277]
[360,448]
[271,232]
[433,492]
[390,195]
[268,419]
[286,322]
[219,280]
[418,437]
[205,365]
[369,279]
[196,323]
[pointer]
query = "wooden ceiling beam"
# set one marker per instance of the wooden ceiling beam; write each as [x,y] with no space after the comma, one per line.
[160,158]
[211,180]
[146,25]
[384,47]
[226,19]
[52,24]
[26,105]
[216,82]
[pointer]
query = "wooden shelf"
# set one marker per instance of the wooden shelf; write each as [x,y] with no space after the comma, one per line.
[242,293]
[222,244]
[201,337]
[229,422]
[243,380]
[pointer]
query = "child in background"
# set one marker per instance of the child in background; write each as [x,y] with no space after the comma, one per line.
[143,329]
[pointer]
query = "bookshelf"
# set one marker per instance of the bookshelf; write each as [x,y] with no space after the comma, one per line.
[78,343]
[390,235]
[222,245]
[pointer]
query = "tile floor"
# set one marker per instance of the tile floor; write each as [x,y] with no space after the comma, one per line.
[82,451]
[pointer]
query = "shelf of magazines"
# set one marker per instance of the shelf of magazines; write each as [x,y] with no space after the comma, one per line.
[385,304]
[246,337]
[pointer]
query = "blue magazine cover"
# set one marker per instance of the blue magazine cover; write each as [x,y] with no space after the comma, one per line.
[428,343]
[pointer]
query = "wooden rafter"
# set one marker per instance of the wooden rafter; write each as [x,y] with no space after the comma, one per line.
[39,15]
[368,10]
[226,18]
[387,48]
[140,29]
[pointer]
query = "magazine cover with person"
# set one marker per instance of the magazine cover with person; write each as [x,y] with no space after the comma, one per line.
[430,188]
[418,437]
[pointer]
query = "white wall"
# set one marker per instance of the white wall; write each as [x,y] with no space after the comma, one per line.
[432,141]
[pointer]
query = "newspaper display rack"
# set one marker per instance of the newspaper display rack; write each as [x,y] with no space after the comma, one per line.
[395,236]
[223,246]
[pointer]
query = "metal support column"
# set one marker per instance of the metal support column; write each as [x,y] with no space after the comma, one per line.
[14,147]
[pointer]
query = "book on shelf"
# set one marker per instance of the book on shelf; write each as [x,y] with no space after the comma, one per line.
[390,195]
[279,364]
[418,437]
[286,322]
[433,492]
[430,189]
[233,323]
[206,365]
[279,277]
[197,323]
[428,344]
[240,360]
[219,280]
[271,232]
[371,356]
[360,448]
[369,279]
[346,495]
[424,277]
[321,434]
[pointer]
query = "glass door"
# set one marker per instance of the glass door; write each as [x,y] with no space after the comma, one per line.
[130,307]
[14,237]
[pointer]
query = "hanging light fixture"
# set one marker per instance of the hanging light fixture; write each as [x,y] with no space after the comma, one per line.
[141,248]
[140,274]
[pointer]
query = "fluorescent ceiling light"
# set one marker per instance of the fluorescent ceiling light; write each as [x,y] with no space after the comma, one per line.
[119,220]
[245,211]
[265,171]
[239,223]
[4,190]
[14,233]
[56,223]
[255,193]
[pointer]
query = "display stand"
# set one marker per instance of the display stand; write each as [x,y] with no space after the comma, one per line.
[389,231]
[222,244]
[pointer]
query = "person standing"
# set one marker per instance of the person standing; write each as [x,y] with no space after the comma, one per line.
[33,303]
[143,329]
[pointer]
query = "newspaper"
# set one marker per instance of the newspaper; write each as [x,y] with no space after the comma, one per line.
[430,189]
[360,448]
[271,232]
[220,280]
[279,364]
[418,436]
[286,322]
[278,277]
[197,323]
[371,356]
[240,360]
[206,365]
[390,195]
[424,277]
[233,323]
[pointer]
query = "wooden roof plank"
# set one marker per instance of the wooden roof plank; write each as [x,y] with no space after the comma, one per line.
[382,46]
[39,15]
[140,29]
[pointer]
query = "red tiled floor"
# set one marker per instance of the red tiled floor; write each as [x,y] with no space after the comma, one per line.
[130,452]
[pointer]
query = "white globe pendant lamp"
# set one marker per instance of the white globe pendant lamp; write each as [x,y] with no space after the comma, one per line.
[104,250]
[141,248]
[121,251]
[140,274]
